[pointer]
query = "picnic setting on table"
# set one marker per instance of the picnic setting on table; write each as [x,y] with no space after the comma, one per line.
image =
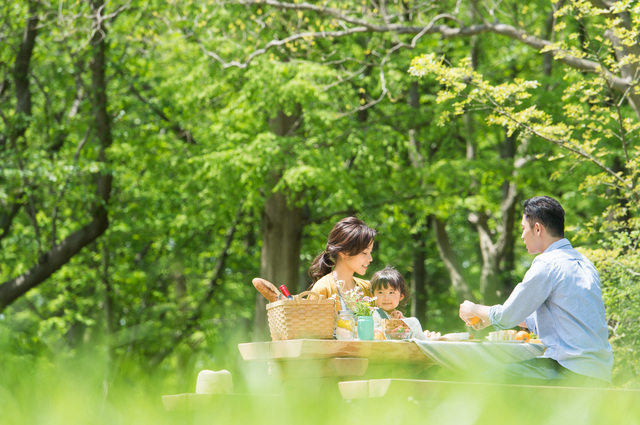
[348,336]
[313,340]
[307,326]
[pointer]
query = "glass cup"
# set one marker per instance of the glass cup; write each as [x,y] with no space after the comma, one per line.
[345,326]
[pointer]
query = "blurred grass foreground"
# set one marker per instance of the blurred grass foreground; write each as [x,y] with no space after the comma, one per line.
[78,389]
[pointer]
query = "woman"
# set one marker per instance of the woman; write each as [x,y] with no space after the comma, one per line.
[348,251]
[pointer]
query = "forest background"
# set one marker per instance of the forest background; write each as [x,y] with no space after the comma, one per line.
[156,156]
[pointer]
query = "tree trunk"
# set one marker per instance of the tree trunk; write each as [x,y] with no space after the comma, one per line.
[281,234]
[183,355]
[21,71]
[508,259]
[108,318]
[450,261]
[60,254]
[280,256]
[419,279]
[489,284]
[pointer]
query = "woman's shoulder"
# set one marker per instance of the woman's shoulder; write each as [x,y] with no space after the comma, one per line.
[362,282]
[324,286]
[365,285]
[324,280]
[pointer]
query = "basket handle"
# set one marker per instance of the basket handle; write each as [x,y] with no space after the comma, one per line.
[308,294]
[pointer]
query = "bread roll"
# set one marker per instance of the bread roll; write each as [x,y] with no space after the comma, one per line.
[267,289]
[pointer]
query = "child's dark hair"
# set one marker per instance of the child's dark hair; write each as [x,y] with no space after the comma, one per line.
[390,277]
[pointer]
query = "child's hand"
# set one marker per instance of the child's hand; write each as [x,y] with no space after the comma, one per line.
[396,314]
[434,336]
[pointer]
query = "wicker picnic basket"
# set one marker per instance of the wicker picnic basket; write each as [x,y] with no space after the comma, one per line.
[311,318]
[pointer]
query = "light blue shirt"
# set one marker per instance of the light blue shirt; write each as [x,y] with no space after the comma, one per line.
[561,300]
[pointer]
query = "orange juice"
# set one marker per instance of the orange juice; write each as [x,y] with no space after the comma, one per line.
[474,320]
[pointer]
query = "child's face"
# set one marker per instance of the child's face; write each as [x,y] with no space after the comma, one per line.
[387,298]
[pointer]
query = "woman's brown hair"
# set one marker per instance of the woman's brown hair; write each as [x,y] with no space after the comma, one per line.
[351,236]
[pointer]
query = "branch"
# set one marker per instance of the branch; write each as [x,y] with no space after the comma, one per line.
[51,261]
[450,260]
[214,283]
[363,25]
[350,211]
[67,181]
[576,150]
[275,43]
[179,131]
[61,254]
[6,219]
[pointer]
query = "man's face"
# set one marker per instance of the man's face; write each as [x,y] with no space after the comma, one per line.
[531,236]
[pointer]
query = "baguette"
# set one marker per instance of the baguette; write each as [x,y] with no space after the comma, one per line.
[267,289]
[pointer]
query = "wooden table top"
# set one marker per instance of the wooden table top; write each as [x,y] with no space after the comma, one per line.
[453,355]
[405,351]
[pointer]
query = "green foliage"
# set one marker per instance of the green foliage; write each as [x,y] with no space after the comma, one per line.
[363,144]
[618,260]
[594,130]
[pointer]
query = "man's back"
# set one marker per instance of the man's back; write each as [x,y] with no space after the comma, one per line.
[571,321]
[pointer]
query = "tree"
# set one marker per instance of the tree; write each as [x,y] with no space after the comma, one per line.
[56,253]
[594,128]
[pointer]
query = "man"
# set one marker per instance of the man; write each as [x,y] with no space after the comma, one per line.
[559,299]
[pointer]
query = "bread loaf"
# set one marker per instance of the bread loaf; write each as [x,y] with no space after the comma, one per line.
[267,289]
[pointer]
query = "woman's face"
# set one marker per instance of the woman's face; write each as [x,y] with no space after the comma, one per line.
[358,263]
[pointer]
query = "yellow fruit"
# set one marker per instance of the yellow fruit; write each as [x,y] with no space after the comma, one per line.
[344,324]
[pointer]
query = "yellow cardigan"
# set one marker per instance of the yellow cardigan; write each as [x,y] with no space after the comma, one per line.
[327,286]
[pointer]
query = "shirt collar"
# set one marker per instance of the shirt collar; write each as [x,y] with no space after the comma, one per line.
[562,243]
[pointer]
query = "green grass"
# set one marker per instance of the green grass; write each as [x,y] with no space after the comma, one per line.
[46,390]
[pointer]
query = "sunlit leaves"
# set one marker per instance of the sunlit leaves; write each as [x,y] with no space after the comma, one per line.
[593,125]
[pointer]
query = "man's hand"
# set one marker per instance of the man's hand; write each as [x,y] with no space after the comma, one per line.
[470,311]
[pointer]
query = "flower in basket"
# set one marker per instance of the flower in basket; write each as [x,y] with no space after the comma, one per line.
[356,301]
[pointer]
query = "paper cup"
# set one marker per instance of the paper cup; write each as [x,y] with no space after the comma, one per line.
[211,382]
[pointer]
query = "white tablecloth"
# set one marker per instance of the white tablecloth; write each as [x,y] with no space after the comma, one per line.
[477,355]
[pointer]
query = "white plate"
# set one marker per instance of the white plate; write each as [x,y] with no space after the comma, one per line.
[517,341]
[458,336]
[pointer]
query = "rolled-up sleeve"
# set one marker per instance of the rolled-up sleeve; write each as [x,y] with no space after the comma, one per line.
[526,297]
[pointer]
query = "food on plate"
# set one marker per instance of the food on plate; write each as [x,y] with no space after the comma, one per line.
[434,336]
[509,335]
[456,336]
[396,329]
[534,339]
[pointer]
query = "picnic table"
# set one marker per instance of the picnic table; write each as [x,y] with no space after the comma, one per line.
[306,358]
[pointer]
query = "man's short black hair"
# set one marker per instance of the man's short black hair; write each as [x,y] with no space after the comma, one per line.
[548,212]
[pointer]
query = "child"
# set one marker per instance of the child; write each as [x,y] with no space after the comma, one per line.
[389,289]
[388,286]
